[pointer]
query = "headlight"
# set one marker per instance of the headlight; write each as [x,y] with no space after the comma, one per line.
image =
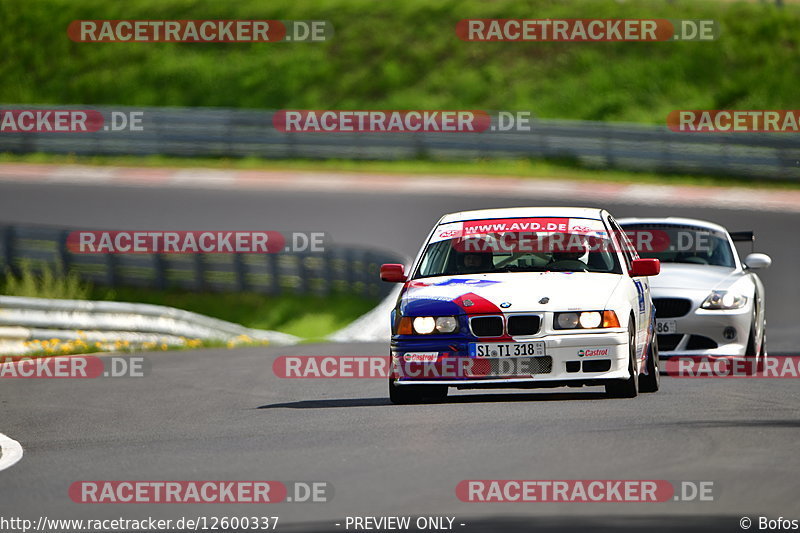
[425,325]
[566,320]
[446,324]
[591,319]
[724,300]
[586,320]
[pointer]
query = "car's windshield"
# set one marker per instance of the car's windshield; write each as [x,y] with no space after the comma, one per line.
[507,246]
[672,243]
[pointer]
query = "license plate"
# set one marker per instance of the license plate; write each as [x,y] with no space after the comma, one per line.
[506,349]
[666,326]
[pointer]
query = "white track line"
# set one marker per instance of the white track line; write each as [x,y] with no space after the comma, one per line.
[11,452]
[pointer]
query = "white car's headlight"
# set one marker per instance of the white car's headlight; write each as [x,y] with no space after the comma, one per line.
[586,320]
[724,300]
[446,324]
[425,325]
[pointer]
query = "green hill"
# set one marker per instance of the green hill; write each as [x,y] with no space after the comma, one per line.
[405,55]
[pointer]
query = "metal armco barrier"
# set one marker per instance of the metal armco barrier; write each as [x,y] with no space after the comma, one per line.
[209,132]
[23,319]
[338,269]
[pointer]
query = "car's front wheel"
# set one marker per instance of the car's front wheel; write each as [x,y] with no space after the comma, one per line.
[755,355]
[626,388]
[651,381]
[762,361]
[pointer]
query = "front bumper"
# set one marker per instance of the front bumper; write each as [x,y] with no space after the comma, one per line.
[706,332]
[453,366]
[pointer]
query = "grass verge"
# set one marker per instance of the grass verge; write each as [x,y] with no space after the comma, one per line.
[308,317]
[406,55]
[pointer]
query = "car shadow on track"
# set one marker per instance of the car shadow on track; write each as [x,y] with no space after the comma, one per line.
[703,424]
[465,398]
[326,404]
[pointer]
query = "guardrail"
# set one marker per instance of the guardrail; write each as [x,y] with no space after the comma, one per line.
[106,323]
[210,132]
[42,318]
[339,269]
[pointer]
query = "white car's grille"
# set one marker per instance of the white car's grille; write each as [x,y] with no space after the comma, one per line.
[495,326]
[523,324]
[486,326]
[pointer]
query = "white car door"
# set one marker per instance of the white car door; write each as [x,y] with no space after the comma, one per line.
[639,289]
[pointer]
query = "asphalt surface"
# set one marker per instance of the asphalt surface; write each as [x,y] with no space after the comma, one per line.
[223,415]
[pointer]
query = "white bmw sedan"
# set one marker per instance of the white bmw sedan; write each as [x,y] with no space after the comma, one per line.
[523,297]
[708,302]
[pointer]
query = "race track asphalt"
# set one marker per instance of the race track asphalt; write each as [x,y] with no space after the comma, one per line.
[224,415]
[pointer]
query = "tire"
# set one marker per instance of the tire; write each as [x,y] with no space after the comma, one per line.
[652,380]
[753,355]
[626,388]
[409,394]
[762,360]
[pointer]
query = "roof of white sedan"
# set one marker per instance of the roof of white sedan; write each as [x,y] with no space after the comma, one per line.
[677,221]
[523,212]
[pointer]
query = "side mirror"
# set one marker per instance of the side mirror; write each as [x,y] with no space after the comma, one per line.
[756,261]
[393,273]
[645,267]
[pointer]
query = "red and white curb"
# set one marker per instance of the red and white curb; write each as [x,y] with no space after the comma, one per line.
[745,198]
[10,452]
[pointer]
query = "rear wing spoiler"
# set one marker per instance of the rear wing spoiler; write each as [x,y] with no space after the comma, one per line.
[742,236]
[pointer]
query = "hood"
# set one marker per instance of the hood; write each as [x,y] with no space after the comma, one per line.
[687,276]
[484,293]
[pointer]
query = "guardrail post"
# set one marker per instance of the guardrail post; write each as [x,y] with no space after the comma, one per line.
[608,144]
[666,151]
[327,272]
[112,276]
[64,254]
[356,267]
[274,274]
[199,272]
[161,271]
[8,250]
[240,273]
[303,272]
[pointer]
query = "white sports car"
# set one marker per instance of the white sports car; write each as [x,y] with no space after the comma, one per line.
[523,297]
[708,302]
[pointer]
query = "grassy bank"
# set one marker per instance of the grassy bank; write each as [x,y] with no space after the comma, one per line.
[406,55]
[308,317]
